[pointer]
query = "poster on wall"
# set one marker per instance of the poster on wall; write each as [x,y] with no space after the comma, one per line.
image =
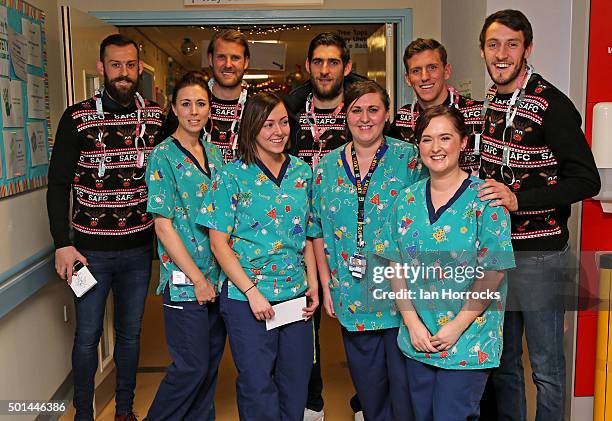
[4,43]
[24,98]
[14,153]
[36,97]
[36,140]
[18,48]
[31,32]
[12,105]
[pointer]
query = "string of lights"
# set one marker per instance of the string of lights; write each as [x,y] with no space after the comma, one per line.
[263,29]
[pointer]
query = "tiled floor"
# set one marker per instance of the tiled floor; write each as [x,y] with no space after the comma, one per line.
[338,388]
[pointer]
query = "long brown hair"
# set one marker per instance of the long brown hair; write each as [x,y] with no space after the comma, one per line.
[256,112]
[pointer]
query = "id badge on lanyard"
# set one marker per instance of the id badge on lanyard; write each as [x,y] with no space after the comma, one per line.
[357,262]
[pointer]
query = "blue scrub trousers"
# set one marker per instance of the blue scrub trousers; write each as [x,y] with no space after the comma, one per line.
[195,335]
[444,395]
[273,366]
[377,369]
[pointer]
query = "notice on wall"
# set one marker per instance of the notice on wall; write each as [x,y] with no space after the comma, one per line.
[18,48]
[38,147]
[356,40]
[36,97]
[4,43]
[14,153]
[11,102]
[32,34]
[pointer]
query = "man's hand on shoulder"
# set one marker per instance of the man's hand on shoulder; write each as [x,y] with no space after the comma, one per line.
[499,192]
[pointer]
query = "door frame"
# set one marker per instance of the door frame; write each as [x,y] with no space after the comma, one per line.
[401,17]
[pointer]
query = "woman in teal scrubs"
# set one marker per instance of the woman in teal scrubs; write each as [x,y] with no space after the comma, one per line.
[257,211]
[457,248]
[353,192]
[179,173]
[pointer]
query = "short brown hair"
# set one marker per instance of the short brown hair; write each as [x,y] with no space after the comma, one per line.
[229,35]
[424,44]
[358,89]
[513,19]
[256,111]
[330,39]
[440,111]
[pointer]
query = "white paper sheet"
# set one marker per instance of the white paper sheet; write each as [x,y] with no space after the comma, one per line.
[37,142]
[286,312]
[14,153]
[11,103]
[36,97]
[31,32]
[18,47]
[4,42]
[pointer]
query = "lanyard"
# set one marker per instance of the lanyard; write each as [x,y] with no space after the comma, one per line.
[454,102]
[315,130]
[141,126]
[363,185]
[515,101]
[237,114]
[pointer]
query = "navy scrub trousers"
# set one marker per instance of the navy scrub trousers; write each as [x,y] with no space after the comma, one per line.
[377,369]
[445,395]
[273,366]
[196,337]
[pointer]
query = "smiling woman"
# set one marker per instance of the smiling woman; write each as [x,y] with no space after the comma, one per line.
[353,193]
[256,212]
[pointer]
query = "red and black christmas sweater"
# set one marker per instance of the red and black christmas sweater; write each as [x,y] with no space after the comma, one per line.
[402,126]
[551,165]
[109,209]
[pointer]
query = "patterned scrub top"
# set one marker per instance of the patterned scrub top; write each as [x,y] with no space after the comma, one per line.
[334,217]
[177,185]
[266,219]
[464,233]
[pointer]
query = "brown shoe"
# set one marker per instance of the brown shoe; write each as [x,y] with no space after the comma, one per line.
[130,416]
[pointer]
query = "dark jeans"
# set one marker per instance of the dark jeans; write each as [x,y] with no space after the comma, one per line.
[127,273]
[537,293]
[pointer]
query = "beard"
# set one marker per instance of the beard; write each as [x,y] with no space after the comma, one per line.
[121,95]
[228,84]
[333,91]
[511,77]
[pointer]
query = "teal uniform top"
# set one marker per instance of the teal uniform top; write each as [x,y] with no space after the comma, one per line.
[334,217]
[177,184]
[265,217]
[452,246]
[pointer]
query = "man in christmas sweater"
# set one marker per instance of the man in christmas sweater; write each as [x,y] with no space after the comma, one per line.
[99,160]
[427,72]
[536,162]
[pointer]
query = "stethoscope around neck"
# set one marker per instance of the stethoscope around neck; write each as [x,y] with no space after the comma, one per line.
[140,131]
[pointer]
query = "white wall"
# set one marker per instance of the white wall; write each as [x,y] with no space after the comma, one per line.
[552,22]
[461,24]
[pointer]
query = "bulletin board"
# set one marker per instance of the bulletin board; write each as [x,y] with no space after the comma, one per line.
[24,98]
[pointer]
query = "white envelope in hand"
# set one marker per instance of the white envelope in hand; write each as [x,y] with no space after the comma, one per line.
[287,312]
